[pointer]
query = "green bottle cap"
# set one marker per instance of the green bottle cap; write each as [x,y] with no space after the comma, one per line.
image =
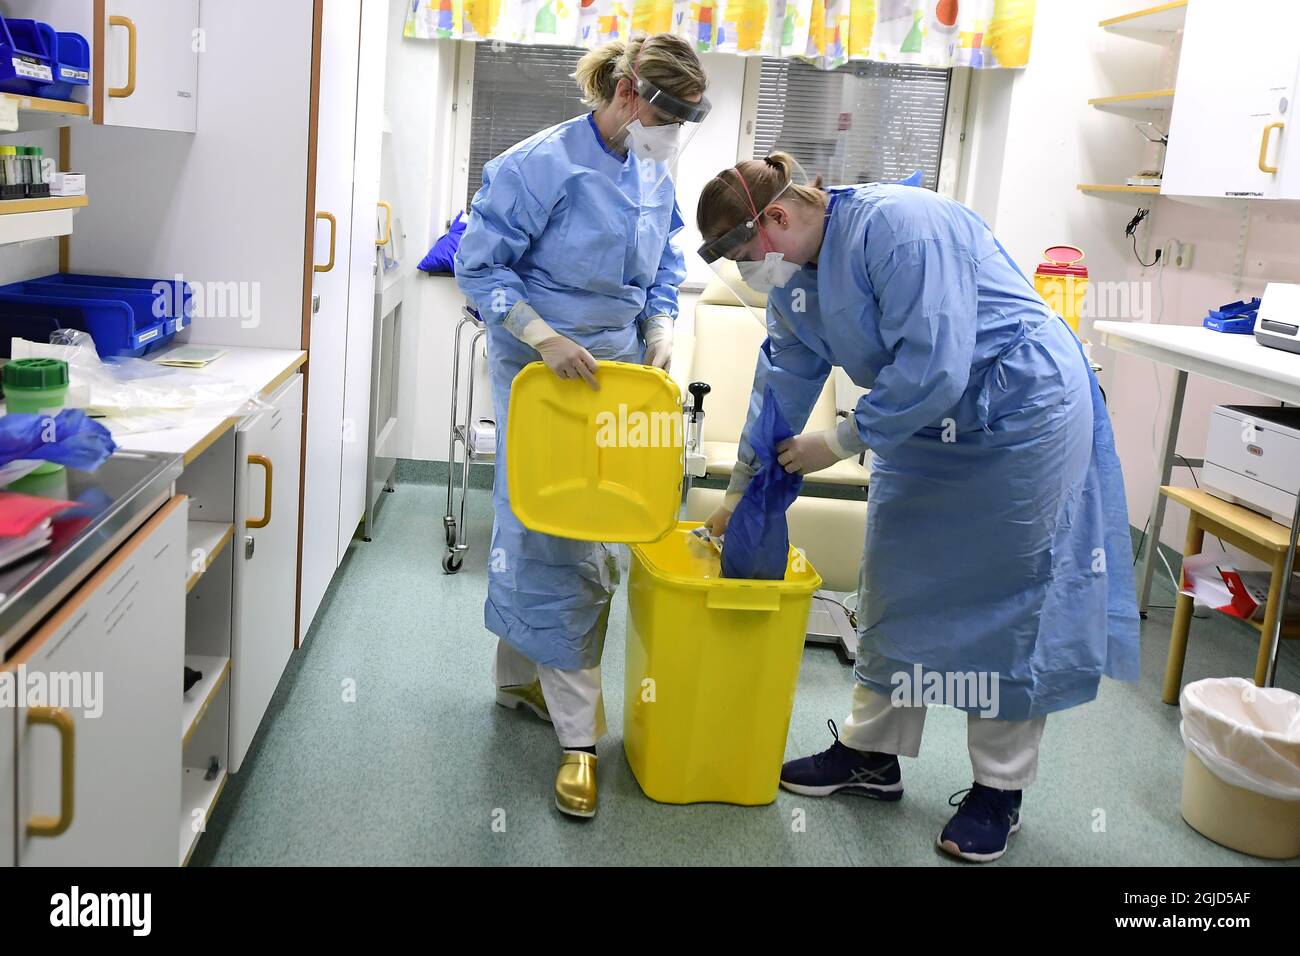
[37,151]
[38,373]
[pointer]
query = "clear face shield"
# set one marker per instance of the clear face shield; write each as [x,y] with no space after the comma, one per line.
[745,257]
[660,129]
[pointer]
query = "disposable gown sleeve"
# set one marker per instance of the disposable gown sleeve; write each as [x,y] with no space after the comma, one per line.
[506,216]
[796,375]
[661,297]
[927,293]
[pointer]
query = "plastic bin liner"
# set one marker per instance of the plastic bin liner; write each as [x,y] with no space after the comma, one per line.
[757,541]
[137,395]
[70,439]
[1247,736]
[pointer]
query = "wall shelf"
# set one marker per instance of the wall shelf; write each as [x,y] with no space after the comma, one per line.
[1150,22]
[1105,188]
[23,220]
[13,207]
[1151,100]
[39,104]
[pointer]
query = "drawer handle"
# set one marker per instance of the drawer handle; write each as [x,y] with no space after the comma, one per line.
[1264,167]
[388,224]
[265,520]
[59,719]
[122,92]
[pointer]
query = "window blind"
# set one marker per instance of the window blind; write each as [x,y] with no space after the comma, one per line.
[864,122]
[518,90]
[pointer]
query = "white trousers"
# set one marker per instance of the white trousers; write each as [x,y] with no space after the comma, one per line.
[1003,753]
[573,698]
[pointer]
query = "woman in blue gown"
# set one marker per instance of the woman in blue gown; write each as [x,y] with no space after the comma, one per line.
[568,258]
[996,573]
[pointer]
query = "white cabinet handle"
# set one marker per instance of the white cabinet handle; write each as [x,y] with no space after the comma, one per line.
[122,92]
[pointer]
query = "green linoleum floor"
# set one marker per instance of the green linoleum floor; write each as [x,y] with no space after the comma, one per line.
[423,767]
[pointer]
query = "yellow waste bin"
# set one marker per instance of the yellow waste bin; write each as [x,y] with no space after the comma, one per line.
[712,664]
[1062,282]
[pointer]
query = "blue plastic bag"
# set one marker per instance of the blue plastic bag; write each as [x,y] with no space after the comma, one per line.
[757,543]
[69,439]
[441,258]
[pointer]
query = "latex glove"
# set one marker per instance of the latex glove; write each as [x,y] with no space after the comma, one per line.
[567,359]
[806,454]
[658,334]
[563,356]
[717,522]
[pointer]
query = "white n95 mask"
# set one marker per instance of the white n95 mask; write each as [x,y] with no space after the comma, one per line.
[773,272]
[657,143]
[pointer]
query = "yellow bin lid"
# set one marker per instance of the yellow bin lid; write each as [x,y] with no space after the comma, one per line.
[596,465]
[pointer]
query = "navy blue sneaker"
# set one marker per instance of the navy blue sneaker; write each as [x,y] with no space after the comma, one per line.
[874,775]
[985,818]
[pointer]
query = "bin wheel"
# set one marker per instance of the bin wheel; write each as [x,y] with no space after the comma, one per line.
[451,563]
[449,531]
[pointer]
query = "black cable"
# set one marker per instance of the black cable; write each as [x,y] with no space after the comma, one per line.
[1139,258]
[1131,231]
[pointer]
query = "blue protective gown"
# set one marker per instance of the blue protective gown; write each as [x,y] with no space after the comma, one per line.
[583,236]
[997,529]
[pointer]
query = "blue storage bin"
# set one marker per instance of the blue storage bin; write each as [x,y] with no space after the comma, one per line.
[125,317]
[70,57]
[167,300]
[26,64]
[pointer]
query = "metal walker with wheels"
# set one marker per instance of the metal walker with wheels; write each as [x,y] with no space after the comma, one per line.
[453,521]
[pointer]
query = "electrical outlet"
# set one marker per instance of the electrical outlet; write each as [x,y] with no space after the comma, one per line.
[1177,254]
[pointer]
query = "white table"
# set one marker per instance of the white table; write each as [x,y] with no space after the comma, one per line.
[1233,359]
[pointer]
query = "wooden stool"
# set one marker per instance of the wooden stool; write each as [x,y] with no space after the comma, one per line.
[1258,536]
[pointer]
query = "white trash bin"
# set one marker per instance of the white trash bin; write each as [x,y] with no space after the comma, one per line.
[1241,779]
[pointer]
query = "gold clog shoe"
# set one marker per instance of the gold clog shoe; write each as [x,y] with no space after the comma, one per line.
[575,784]
[526,696]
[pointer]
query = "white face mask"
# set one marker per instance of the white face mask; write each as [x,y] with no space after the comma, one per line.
[773,272]
[657,143]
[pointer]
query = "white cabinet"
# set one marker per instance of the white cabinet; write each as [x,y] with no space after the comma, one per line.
[348,146]
[150,72]
[268,458]
[8,781]
[1234,106]
[361,287]
[98,783]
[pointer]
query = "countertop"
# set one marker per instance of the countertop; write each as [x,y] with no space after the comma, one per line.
[262,371]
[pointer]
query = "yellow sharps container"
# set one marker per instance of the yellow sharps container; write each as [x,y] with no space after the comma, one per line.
[1062,282]
[712,662]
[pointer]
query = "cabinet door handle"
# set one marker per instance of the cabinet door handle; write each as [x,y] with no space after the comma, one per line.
[265,520]
[388,224]
[122,92]
[60,720]
[1264,167]
[334,232]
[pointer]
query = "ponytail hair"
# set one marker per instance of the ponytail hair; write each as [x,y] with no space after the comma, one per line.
[725,199]
[664,59]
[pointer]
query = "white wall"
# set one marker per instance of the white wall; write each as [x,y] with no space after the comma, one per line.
[417,179]
[1032,137]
